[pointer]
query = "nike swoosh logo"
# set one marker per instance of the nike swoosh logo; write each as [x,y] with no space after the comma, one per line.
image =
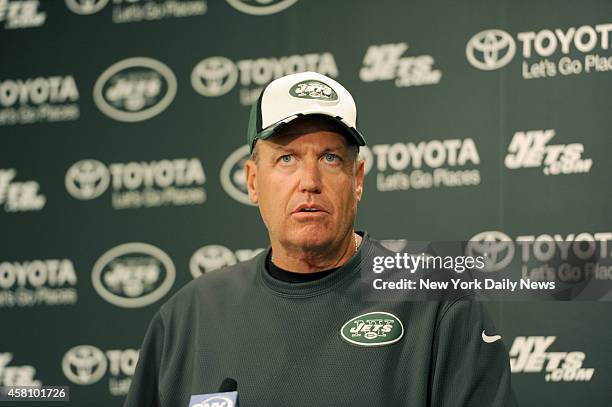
[490,339]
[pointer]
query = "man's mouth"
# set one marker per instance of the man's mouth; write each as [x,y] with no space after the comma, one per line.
[309,208]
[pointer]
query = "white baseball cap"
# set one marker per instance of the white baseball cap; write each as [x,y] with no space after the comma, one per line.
[289,97]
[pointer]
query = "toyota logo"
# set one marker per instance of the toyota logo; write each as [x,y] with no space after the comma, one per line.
[490,49]
[87,179]
[211,257]
[84,364]
[214,76]
[496,247]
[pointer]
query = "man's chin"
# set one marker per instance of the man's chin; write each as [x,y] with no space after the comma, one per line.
[312,241]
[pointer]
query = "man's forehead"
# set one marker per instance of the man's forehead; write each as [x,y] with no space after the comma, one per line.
[309,124]
[319,139]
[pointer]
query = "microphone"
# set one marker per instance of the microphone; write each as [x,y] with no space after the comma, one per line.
[227,396]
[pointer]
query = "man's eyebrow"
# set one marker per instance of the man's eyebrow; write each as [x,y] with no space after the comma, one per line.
[333,148]
[279,148]
[338,149]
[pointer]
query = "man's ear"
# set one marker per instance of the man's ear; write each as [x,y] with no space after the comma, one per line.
[250,169]
[359,179]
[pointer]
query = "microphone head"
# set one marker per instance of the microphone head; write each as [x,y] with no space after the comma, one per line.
[228,385]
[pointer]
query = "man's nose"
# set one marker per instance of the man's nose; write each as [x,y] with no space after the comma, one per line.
[310,177]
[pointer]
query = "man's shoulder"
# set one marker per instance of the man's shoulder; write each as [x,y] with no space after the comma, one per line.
[215,286]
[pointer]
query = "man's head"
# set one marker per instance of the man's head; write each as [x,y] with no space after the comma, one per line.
[304,172]
[307,181]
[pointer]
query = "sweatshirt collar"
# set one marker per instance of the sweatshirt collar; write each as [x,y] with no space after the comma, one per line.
[345,273]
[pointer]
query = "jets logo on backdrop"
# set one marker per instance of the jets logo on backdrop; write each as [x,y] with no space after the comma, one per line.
[214,76]
[261,7]
[495,247]
[135,89]
[16,375]
[373,329]
[133,275]
[313,90]
[86,365]
[490,49]
[217,75]
[213,257]
[425,164]
[19,196]
[545,53]
[233,178]
[37,282]
[387,62]
[86,7]
[530,149]
[531,354]
[134,184]
[21,14]
[39,99]
[129,11]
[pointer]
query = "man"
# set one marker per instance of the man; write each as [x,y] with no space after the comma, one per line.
[290,325]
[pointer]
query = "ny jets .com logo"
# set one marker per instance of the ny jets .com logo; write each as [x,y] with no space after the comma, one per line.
[16,375]
[21,14]
[261,7]
[387,62]
[496,247]
[19,196]
[233,178]
[529,354]
[135,89]
[133,275]
[313,90]
[530,149]
[86,7]
[84,364]
[373,329]
[87,179]
[490,49]
[213,257]
[214,76]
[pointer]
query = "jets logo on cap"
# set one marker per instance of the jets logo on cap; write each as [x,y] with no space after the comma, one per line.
[313,90]
[373,329]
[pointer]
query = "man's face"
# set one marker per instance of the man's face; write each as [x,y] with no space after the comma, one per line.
[307,185]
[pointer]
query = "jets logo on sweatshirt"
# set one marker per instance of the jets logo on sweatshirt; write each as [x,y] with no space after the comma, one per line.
[373,329]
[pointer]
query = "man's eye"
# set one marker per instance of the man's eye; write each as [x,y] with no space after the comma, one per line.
[329,157]
[286,158]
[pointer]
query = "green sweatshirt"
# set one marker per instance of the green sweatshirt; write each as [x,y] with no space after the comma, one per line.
[300,344]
